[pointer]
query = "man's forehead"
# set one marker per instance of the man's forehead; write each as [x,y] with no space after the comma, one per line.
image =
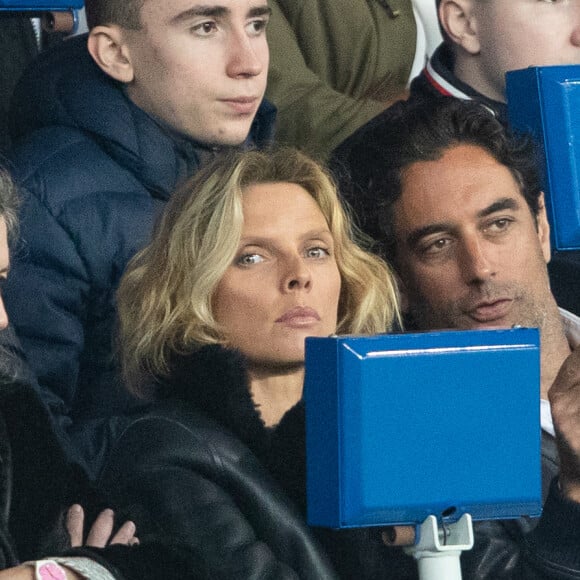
[465,182]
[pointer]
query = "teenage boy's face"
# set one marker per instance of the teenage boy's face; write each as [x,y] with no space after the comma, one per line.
[200,66]
[515,34]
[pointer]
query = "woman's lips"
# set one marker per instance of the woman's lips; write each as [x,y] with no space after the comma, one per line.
[299,317]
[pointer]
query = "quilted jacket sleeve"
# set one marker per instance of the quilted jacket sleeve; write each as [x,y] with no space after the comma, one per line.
[77,234]
[46,297]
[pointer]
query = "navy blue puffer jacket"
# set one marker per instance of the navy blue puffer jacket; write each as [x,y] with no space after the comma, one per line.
[95,170]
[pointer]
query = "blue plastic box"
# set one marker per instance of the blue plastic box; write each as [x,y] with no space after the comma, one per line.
[400,427]
[546,102]
[40,5]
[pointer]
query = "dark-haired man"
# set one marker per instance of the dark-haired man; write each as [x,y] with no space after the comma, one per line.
[483,39]
[106,127]
[455,204]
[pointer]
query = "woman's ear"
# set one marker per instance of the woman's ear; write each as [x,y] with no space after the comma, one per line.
[457,18]
[107,46]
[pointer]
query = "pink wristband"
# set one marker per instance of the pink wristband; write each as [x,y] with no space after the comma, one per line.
[49,570]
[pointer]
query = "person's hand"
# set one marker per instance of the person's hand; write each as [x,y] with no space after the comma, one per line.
[564,395]
[398,536]
[101,530]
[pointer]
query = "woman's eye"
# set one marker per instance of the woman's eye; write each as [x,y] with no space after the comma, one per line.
[249,259]
[317,252]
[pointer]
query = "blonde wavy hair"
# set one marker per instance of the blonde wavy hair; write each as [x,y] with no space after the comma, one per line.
[165,295]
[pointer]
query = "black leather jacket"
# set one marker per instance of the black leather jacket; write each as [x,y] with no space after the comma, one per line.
[38,485]
[200,468]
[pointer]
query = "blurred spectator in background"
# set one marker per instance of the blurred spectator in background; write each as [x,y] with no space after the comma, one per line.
[18,47]
[41,491]
[335,64]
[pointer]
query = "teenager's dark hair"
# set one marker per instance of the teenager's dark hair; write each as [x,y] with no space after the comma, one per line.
[370,171]
[125,13]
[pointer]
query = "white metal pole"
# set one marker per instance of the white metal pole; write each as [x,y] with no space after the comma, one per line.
[438,551]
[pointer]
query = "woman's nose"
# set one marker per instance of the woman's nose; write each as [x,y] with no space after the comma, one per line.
[297,275]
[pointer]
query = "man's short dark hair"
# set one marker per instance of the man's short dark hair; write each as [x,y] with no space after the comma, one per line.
[370,172]
[125,13]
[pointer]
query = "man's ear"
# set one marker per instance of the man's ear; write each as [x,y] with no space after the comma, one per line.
[457,18]
[544,228]
[107,46]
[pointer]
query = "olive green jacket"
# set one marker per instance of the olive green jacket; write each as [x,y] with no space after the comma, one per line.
[333,67]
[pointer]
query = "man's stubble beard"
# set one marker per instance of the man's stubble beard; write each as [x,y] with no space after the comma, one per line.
[527,309]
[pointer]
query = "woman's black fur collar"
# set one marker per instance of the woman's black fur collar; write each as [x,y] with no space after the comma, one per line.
[214,380]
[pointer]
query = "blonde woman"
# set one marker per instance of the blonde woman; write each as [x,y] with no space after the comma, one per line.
[253,255]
